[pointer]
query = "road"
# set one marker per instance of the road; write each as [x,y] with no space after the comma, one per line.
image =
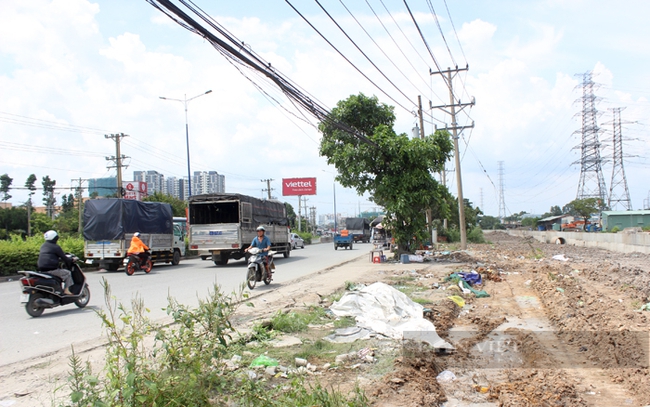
[23,337]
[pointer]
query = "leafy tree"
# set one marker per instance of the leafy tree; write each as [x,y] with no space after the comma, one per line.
[395,169]
[13,219]
[41,223]
[490,222]
[583,208]
[529,222]
[48,195]
[291,214]
[67,203]
[178,205]
[5,186]
[29,184]
[554,211]
[94,195]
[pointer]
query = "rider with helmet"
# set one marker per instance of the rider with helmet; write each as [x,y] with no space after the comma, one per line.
[137,247]
[49,257]
[262,242]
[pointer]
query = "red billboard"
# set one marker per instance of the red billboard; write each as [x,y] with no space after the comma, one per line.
[298,186]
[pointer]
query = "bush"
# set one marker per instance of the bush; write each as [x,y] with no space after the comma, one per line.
[616,229]
[476,235]
[306,236]
[18,254]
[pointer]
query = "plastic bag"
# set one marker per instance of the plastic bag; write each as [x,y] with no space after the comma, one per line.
[446,376]
[263,360]
[458,300]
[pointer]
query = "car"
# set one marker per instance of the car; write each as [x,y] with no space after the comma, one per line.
[296,241]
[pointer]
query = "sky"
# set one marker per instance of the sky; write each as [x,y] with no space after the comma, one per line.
[72,71]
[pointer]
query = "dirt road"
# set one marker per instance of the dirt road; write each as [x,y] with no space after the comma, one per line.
[551,333]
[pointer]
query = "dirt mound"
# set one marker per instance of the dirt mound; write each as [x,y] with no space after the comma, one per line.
[537,388]
[443,314]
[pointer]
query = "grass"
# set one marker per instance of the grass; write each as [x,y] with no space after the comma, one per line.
[344,322]
[298,321]
[422,301]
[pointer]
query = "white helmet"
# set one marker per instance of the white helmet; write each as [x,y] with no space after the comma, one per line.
[50,235]
[261,228]
[136,234]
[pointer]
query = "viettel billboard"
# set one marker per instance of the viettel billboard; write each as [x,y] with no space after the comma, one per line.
[298,186]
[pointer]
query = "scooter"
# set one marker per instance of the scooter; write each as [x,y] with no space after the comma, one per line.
[133,263]
[256,268]
[41,290]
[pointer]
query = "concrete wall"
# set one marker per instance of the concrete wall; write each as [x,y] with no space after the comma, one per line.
[618,242]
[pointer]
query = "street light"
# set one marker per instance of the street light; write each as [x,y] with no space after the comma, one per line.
[334,188]
[185,101]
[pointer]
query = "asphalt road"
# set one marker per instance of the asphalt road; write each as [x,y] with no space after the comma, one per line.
[23,337]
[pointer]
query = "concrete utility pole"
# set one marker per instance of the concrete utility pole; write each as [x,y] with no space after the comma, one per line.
[299,221]
[429,212]
[117,159]
[268,186]
[454,128]
[79,192]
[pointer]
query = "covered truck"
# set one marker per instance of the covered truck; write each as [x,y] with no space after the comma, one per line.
[109,225]
[359,229]
[224,225]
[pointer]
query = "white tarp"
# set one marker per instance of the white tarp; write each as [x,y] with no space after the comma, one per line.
[387,311]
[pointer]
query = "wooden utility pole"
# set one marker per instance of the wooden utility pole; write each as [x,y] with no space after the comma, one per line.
[117,159]
[454,128]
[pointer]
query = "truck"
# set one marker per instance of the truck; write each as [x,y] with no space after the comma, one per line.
[224,225]
[109,225]
[359,229]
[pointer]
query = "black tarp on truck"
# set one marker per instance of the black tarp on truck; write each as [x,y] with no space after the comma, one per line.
[111,219]
[359,228]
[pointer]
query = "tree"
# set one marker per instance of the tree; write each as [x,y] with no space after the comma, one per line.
[5,186]
[291,214]
[583,208]
[490,222]
[393,168]
[67,203]
[48,195]
[29,184]
[178,205]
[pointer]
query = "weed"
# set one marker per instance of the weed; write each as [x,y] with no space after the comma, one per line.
[297,321]
[344,322]
[422,301]
[349,285]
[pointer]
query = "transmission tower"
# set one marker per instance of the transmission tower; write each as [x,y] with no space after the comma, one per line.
[592,182]
[502,199]
[618,191]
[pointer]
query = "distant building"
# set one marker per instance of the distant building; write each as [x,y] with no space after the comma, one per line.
[203,182]
[102,186]
[625,219]
[208,182]
[155,181]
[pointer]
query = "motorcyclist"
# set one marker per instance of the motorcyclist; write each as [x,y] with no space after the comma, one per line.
[49,257]
[137,247]
[263,243]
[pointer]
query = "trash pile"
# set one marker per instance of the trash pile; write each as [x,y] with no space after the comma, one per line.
[383,310]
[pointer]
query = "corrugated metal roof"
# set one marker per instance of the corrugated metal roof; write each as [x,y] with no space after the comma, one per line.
[628,213]
[550,218]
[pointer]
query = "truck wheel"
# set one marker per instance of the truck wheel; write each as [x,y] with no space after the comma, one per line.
[351,246]
[222,260]
[287,254]
[113,267]
[336,247]
[176,259]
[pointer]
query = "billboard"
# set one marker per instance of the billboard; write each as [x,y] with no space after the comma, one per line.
[134,190]
[298,186]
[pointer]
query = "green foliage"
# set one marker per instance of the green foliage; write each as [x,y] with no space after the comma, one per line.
[616,229]
[475,235]
[49,200]
[554,211]
[306,236]
[185,367]
[18,254]
[394,169]
[530,222]
[5,186]
[490,222]
[291,214]
[178,205]
[296,321]
[583,208]
[12,220]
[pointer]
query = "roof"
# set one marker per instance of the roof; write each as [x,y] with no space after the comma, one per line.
[626,213]
[550,218]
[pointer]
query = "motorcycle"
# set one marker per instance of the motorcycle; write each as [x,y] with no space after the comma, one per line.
[41,290]
[256,268]
[133,263]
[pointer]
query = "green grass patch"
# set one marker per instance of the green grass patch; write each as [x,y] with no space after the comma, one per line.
[344,322]
[422,301]
[298,321]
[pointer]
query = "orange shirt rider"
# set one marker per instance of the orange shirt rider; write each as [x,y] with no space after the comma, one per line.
[137,245]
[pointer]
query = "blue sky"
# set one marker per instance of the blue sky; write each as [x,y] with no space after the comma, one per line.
[103,65]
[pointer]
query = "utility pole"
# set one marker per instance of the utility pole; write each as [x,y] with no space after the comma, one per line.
[268,186]
[618,171]
[429,212]
[79,191]
[482,199]
[117,159]
[592,182]
[502,194]
[454,128]
[299,221]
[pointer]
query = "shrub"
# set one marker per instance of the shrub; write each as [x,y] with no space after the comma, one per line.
[18,254]
[616,229]
[476,235]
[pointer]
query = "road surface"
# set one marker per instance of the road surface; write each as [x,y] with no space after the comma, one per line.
[23,337]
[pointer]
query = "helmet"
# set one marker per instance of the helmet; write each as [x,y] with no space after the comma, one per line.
[136,234]
[51,236]
[261,228]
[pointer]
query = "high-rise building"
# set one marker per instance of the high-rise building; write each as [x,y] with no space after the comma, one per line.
[102,186]
[203,182]
[208,182]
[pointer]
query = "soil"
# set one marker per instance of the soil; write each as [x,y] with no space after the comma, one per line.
[552,333]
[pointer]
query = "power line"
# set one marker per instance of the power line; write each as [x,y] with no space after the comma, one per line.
[435,17]
[435,61]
